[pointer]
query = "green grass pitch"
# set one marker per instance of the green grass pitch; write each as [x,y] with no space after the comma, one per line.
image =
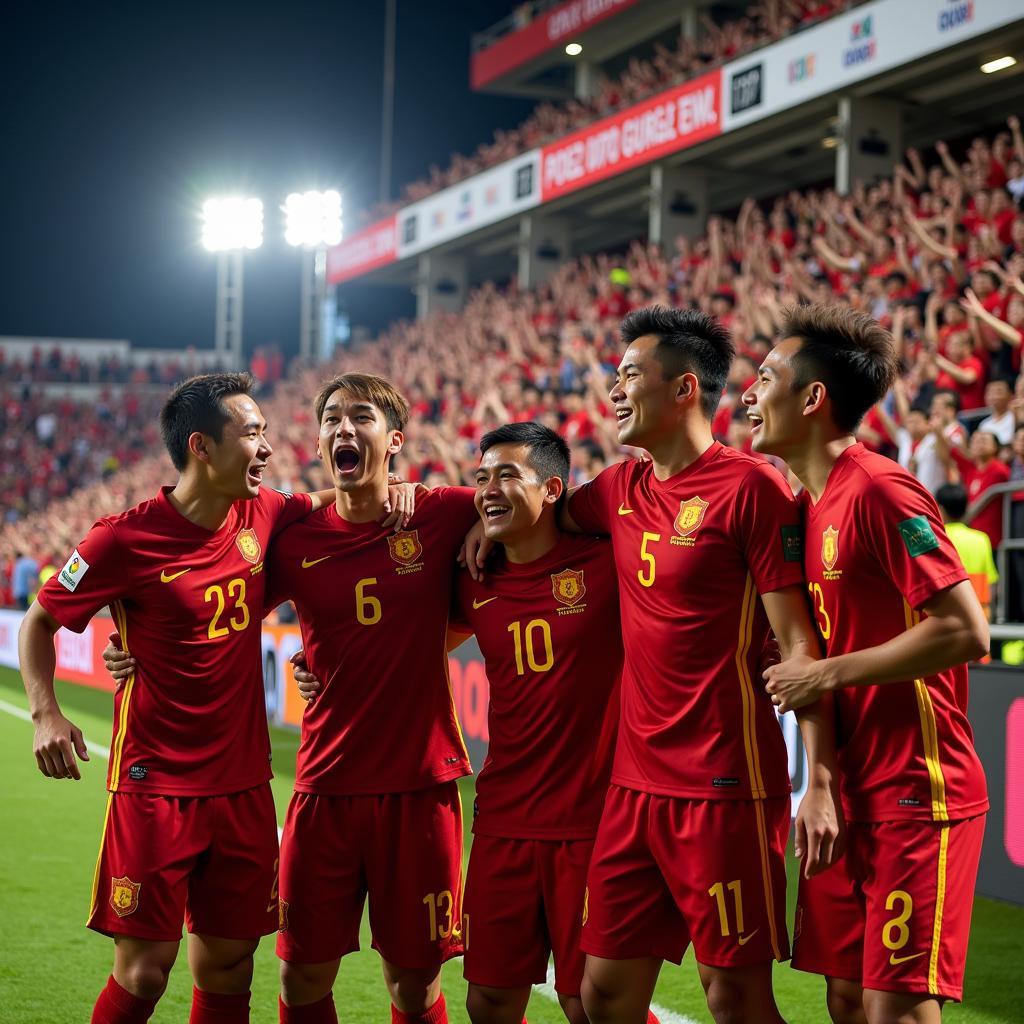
[52,967]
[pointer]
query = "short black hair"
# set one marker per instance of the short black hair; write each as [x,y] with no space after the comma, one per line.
[689,341]
[196,405]
[952,499]
[849,352]
[953,396]
[549,454]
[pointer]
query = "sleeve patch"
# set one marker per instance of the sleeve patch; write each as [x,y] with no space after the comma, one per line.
[74,569]
[918,536]
[792,544]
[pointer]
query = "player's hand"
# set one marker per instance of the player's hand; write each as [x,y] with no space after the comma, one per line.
[120,664]
[819,830]
[56,742]
[400,505]
[796,682]
[475,551]
[308,684]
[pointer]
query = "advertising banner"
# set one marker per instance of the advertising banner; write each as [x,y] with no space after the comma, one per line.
[484,199]
[664,124]
[850,48]
[554,27]
[366,250]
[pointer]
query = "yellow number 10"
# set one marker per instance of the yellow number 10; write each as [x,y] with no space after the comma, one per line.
[519,634]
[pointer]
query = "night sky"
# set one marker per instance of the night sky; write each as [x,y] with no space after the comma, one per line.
[117,120]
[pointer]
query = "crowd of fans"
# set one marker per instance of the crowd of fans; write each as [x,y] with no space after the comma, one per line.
[715,44]
[934,252]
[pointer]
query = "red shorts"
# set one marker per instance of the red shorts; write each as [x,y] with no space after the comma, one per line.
[403,850]
[668,871]
[895,913]
[524,900]
[211,860]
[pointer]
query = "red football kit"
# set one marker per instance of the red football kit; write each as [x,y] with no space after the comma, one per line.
[913,787]
[191,720]
[549,633]
[381,743]
[693,553]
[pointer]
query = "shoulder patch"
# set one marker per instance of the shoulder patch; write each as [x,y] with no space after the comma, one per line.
[792,544]
[918,536]
[74,569]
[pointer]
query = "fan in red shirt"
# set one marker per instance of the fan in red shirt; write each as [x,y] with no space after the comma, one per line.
[961,371]
[690,847]
[190,830]
[376,809]
[982,470]
[899,619]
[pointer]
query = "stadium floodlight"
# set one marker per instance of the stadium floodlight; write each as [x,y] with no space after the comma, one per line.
[313,219]
[574,49]
[232,222]
[999,64]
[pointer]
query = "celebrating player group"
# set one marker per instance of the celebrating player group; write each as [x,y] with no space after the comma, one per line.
[641,634]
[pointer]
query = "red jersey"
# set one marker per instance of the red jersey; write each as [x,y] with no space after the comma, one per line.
[693,552]
[977,482]
[187,603]
[550,637]
[876,551]
[373,609]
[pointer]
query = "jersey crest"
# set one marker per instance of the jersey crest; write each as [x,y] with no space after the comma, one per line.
[829,548]
[405,546]
[124,896]
[249,544]
[691,515]
[568,587]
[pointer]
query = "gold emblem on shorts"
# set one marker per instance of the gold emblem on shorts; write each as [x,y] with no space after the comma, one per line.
[586,904]
[829,547]
[282,916]
[249,544]
[691,515]
[568,588]
[124,896]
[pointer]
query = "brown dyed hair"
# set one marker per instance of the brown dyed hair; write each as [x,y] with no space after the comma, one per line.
[849,352]
[380,393]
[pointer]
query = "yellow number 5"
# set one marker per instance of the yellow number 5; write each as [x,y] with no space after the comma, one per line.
[646,575]
[367,606]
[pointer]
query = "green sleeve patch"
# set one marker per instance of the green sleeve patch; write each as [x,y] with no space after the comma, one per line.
[918,535]
[792,544]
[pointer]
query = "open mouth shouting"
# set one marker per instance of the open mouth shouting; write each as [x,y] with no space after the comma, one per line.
[755,422]
[346,461]
[255,474]
[497,513]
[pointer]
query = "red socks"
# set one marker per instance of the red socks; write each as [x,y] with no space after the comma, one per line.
[213,1008]
[322,1012]
[437,1014]
[117,1005]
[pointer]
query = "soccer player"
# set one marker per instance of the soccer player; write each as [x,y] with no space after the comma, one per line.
[691,842]
[547,621]
[376,808]
[190,830]
[888,927]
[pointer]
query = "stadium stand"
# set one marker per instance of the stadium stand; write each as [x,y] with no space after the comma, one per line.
[936,252]
[716,42]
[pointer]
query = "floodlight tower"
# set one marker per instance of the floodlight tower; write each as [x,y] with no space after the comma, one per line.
[230,226]
[312,222]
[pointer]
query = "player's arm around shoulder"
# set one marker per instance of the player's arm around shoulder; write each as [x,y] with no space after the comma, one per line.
[819,828]
[57,740]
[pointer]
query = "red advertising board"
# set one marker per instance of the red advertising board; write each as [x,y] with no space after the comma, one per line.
[666,123]
[375,246]
[558,25]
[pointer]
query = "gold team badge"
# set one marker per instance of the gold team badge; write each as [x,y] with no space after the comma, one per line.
[829,548]
[688,522]
[568,588]
[405,547]
[282,916]
[124,896]
[248,543]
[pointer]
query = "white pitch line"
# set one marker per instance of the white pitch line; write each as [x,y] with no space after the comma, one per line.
[94,748]
[665,1016]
